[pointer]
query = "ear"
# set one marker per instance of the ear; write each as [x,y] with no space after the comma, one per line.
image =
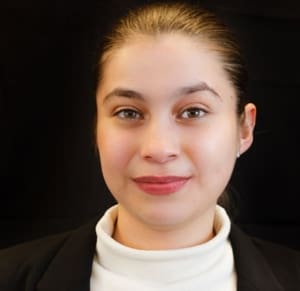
[247,124]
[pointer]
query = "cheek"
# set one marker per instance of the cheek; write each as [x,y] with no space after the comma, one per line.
[214,149]
[115,149]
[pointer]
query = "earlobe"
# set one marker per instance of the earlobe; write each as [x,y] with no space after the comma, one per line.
[247,124]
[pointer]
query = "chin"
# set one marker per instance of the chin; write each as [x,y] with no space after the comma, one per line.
[164,217]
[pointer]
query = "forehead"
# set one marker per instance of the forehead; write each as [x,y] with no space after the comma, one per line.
[156,64]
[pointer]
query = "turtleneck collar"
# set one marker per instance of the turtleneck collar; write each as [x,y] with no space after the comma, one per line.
[213,259]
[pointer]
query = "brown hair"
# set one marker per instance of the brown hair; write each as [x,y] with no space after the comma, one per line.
[188,20]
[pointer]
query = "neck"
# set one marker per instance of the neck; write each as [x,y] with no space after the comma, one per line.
[136,234]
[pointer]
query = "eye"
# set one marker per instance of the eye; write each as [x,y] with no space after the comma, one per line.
[192,113]
[128,114]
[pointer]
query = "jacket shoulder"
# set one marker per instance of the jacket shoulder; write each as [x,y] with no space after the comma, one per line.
[264,265]
[285,262]
[22,265]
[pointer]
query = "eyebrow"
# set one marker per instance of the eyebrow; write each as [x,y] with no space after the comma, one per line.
[127,93]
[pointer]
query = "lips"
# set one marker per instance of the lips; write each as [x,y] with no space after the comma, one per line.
[160,185]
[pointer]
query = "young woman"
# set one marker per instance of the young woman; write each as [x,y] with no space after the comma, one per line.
[172,118]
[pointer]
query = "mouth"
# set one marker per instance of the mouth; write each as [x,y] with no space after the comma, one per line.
[161,185]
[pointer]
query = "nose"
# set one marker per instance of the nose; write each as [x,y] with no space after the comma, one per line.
[160,143]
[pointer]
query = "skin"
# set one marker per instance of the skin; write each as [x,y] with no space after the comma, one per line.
[166,107]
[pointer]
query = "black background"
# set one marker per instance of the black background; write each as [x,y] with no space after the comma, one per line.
[50,180]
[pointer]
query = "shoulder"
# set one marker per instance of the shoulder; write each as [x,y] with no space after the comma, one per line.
[265,263]
[23,264]
[285,262]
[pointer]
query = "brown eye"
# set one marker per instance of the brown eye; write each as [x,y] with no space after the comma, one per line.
[192,113]
[128,114]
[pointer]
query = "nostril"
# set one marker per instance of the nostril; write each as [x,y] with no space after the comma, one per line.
[160,157]
[159,147]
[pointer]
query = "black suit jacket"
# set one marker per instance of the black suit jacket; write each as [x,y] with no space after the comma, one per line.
[63,263]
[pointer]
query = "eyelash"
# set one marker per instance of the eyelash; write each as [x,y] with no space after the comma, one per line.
[121,113]
[200,112]
[138,116]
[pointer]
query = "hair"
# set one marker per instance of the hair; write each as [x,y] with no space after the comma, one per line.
[199,24]
[188,20]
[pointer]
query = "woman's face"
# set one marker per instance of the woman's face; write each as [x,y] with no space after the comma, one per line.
[167,130]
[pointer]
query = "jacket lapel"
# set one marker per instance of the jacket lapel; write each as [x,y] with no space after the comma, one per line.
[70,269]
[253,271]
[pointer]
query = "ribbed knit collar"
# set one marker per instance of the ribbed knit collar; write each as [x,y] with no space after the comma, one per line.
[166,266]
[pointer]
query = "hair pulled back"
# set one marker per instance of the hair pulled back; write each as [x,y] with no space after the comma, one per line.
[188,20]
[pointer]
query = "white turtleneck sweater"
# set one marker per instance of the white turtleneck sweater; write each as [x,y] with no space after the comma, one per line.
[208,266]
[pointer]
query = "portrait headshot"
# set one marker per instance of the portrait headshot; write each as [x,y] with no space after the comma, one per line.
[150,146]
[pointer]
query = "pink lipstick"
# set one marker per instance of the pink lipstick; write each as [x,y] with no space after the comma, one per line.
[160,185]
